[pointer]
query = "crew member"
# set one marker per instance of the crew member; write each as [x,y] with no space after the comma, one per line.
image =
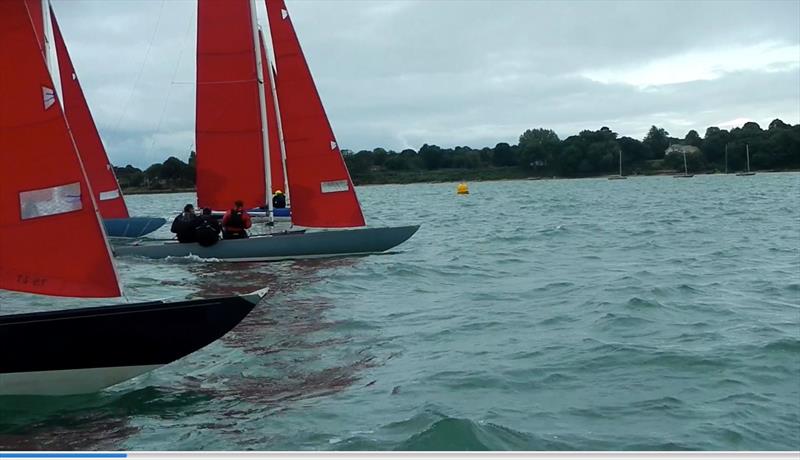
[208,228]
[184,225]
[278,200]
[236,222]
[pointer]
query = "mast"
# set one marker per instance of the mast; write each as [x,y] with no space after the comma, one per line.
[726,158]
[685,167]
[45,35]
[280,129]
[748,157]
[263,106]
[620,162]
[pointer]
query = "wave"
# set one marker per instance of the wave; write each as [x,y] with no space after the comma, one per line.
[460,434]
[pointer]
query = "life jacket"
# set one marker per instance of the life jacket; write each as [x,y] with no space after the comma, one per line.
[236,220]
[206,234]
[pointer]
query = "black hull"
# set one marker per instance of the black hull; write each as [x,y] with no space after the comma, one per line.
[126,337]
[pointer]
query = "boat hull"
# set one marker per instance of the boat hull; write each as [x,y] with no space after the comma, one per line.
[84,350]
[132,227]
[308,245]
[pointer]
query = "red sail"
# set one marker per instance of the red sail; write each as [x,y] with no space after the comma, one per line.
[37,17]
[321,189]
[108,195]
[52,240]
[230,154]
[275,160]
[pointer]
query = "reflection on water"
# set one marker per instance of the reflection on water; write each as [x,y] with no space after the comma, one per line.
[274,356]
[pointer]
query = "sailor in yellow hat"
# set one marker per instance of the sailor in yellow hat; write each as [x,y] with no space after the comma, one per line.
[278,200]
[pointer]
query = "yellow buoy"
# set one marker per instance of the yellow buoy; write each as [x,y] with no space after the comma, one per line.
[462,189]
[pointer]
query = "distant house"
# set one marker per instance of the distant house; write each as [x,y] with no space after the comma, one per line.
[681,149]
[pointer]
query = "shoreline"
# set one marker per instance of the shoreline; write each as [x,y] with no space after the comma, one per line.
[444,180]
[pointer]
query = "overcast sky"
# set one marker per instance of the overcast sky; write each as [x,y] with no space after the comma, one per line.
[397,74]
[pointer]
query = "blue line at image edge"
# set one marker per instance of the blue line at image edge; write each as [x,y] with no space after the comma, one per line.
[2,455]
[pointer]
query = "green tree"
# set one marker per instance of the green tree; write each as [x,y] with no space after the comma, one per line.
[503,155]
[657,140]
[431,156]
[692,138]
[538,147]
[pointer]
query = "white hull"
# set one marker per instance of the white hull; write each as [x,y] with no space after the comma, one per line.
[67,381]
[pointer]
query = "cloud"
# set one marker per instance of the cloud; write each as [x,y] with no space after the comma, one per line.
[397,74]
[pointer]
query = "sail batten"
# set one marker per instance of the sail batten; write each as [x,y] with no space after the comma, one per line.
[313,158]
[228,133]
[44,187]
[90,147]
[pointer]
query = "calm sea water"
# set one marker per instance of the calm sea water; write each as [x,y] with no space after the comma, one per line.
[652,313]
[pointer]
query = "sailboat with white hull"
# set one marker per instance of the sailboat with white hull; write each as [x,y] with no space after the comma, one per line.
[44,189]
[685,174]
[256,133]
[620,176]
[748,172]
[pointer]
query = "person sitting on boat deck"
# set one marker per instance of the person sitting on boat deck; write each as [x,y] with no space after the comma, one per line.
[183,225]
[278,200]
[207,229]
[236,222]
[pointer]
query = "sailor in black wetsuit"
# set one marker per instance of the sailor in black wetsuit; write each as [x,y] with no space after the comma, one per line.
[208,228]
[184,225]
[278,200]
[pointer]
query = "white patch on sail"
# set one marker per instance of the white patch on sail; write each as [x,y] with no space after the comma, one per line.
[49,97]
[109,195]
[333,145]
[334,186]
[50,201]
[284,14]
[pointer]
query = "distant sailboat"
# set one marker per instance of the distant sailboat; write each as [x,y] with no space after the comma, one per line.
[620,176]
[748,172]
[45,192]
[99,170]
[685,169]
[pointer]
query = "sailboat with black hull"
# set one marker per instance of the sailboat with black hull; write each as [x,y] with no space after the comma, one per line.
[257,132]
[109,198]
[44,191]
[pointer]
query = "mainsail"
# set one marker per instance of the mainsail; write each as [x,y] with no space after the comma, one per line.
[44,190]
[99,170]
[228,136]
[322,192]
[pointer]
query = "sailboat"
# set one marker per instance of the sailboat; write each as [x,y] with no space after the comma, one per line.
[99,170]
[45,192]
[748,172]
[620,176]
[241,155]
[685,169]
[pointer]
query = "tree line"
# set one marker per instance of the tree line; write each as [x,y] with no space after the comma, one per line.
[540,152]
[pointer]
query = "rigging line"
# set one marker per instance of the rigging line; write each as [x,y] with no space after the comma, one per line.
[172,82]
[141,69]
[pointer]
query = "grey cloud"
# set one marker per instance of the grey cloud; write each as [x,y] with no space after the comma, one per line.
[397,74]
